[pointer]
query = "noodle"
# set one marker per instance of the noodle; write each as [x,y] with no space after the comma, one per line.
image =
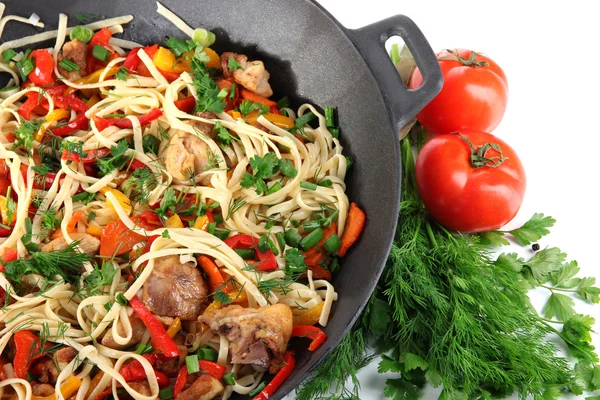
[85,197]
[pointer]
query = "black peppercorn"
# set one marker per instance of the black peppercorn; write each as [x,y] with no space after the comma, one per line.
[535,247]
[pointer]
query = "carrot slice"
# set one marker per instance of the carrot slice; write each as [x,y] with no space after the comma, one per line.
[354,226]
[246,94]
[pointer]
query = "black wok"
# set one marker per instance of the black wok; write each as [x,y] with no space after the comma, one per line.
[311,58]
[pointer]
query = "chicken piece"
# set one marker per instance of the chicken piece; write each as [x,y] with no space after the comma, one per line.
[175,289]
[75,51]
[138,329]
[256,336]
[171,366]
[87,243]
[47,371]
[204,128]
[186,154]
[42,389]
[142,387]
[64,356]
[204,388]
[253,75]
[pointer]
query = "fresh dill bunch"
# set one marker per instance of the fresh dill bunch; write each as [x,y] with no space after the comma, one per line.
[67,263]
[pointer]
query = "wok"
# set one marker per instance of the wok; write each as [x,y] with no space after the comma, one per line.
[311,58]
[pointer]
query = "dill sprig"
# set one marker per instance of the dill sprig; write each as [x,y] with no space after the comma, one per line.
[446,313]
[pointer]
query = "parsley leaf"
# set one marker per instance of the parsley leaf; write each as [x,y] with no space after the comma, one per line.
[287,168]
[179,47]
[101,276]
[388,364]
[248,106]
[233,64]
[223,134]
[26,132]
[534,229]
[559,305]
[123,74]
[401,389]
[115,159]
[207,91]
[544,262]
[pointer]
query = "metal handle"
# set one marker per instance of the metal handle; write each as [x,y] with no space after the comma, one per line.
[403,104]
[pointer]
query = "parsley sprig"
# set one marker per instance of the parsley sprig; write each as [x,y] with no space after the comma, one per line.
[264,168]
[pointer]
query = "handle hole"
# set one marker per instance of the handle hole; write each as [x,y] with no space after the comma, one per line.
[396,48]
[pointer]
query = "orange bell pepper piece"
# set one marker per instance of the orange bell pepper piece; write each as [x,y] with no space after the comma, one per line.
[354,226]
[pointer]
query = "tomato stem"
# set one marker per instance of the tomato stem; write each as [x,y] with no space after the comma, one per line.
[468,62]
[478,154]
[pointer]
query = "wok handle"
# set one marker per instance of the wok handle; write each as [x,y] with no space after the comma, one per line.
[403,104]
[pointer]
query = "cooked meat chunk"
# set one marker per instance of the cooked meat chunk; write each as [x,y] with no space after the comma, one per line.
[204,388]
[76,52]
[47,371]
[42,389]
[186,153]
[65,355]
[87,243]
[256,336]
[138,328]
[253,75]
[142,387]
[204,128]
[175,289]
[171,366]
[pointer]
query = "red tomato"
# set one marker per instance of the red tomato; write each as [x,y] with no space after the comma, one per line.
[43,73]
[470,195]
[473,97]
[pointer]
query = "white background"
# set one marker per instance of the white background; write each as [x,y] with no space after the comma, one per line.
[549,53]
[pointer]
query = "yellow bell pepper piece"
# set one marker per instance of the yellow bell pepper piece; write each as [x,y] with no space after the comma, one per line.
[310,317]
[93,100]
[92,78]
[68,388]
[55,115]
[174,222]
[94,383]
[251,118]
[121,198]
[280,120]
[234,114]
[4,210]
[215,60]
[202,223]
[164,59]
[174,328]
[94,230]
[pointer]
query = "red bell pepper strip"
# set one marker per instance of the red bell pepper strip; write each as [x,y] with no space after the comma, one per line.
[160,340]
[274,110]
[227,84]
[43,73]
[70,103]
[134,371]
[313,333]
[281,376]
[215,278]
[8,256]
[267,260]
[135,164]
[26,344]
[215,370]
[246,94]
[182,378]
[316,255]
[101,38]
[81,123]
[132,60]
[141,68]
[92,155]
[147,220]
[186,104]
[27,107]
[103,123]
[354,226]
[170,76]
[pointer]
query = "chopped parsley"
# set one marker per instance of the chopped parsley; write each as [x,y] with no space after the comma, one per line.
[116,159]
[223,134]
[248,106]
[233,64]
[264,168]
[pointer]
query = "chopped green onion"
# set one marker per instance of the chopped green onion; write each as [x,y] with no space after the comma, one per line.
[211,227]
[263,243]
[69,65]
[335,132]
[325,182]
[232,92]
[218,218]
[330,117]
[280,240]
[222,94]
[8,55]
[192,364]
[208,353]
[311,239]
[81,33]
[311,225]
[166,393]
[349,162]
[246,254]
[257,389]
[25,67]
[273,248]
[292,237]
[229,378]
[332,244]
[295,223]
[395,54]
[283,102]
[335,265]
[8,88]
[203,37]
[100,52]
[305,119]
[327,221]
[222,233]
[274,188]
[141,348]
[308,186]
